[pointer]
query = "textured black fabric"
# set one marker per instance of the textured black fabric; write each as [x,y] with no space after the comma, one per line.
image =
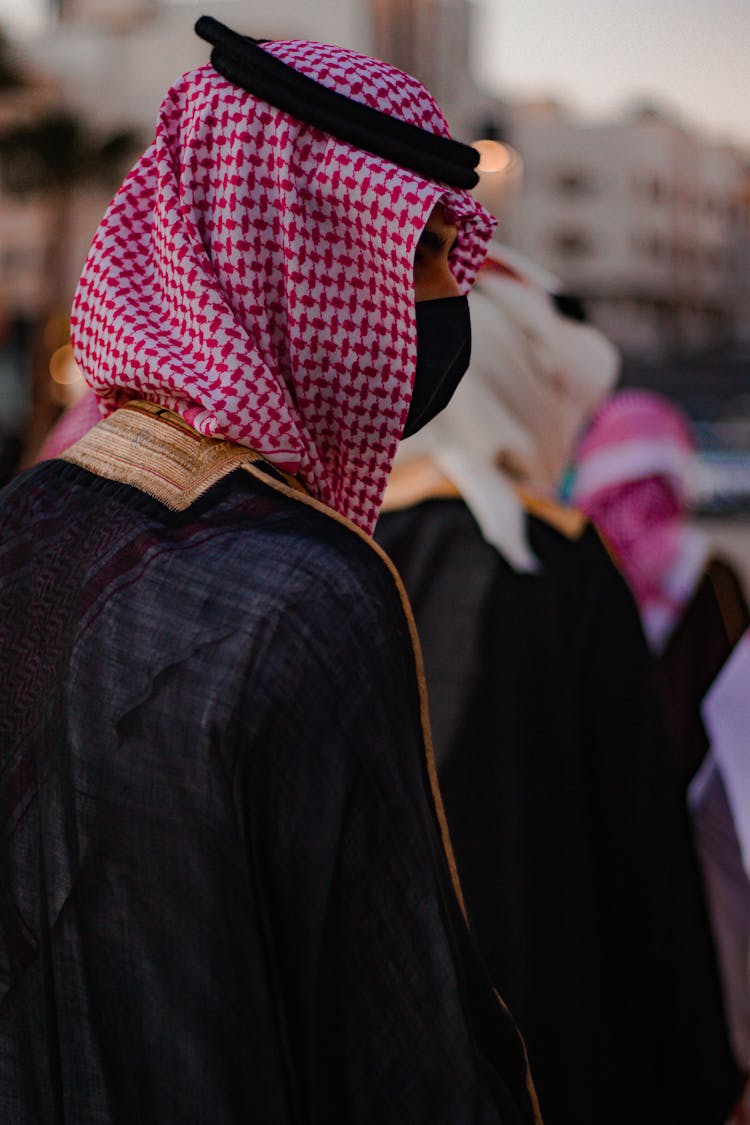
[224,897]
[567,819]
[711,625]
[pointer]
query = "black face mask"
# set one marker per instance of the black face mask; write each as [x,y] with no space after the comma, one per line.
[443,352]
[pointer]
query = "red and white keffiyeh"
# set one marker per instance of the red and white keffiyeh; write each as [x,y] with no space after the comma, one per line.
[632,479]
[254,274]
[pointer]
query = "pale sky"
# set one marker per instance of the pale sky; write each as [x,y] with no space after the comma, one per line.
[691,54]
[598,54]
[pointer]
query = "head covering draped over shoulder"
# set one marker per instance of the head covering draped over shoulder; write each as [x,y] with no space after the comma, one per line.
[255,275]
[632,478]
[534,379]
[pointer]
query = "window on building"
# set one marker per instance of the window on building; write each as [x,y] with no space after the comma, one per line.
[714,258]
[574,182]
[653,189]
[570,243]
[657,191]
[684,255]
[15,260]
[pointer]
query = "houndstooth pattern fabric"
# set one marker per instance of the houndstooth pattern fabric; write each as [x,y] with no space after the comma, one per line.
[254,274]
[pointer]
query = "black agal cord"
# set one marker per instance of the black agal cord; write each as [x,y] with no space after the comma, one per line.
[243,62]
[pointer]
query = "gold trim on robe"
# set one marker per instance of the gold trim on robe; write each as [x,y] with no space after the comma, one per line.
[422,479]
[154,450]
[415,481]
[568,521]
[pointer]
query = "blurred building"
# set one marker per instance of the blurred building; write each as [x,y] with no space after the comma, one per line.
[27,216]
[116,58]
[45,227]
[433,40]
[56,178]
[743,253]
[27,243]
[28,246]
[117,14]
[642,217]
[646,220]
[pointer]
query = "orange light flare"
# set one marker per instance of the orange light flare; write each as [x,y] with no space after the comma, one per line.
[66,375]
[496,158]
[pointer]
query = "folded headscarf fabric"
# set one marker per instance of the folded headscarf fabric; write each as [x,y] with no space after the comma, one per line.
[632,479]
[534,379]
[254,274]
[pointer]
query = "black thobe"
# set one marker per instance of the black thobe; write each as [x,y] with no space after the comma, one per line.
[225,897]
[567,819]
[710,626]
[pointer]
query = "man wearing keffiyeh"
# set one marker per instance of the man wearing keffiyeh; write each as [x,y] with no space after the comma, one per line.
[228,892]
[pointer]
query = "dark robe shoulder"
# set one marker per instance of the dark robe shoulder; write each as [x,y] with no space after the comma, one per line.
[712,623]
[225,896]
[567,818]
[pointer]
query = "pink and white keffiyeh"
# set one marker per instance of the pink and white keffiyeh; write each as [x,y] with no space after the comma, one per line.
[632,476]
[254,274]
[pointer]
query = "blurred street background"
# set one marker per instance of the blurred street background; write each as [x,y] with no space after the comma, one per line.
[617,156]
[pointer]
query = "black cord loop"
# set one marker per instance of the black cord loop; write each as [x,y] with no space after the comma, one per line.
[242,61]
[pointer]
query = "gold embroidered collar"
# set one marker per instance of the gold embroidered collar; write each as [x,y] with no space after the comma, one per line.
[156,451]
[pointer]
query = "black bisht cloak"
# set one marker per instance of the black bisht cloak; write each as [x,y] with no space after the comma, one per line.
[567,818]
[705,636]
[224,894]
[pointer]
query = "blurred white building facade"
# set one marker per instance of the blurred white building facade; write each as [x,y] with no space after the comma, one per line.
[116,58]
[642,218]
[432,39]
